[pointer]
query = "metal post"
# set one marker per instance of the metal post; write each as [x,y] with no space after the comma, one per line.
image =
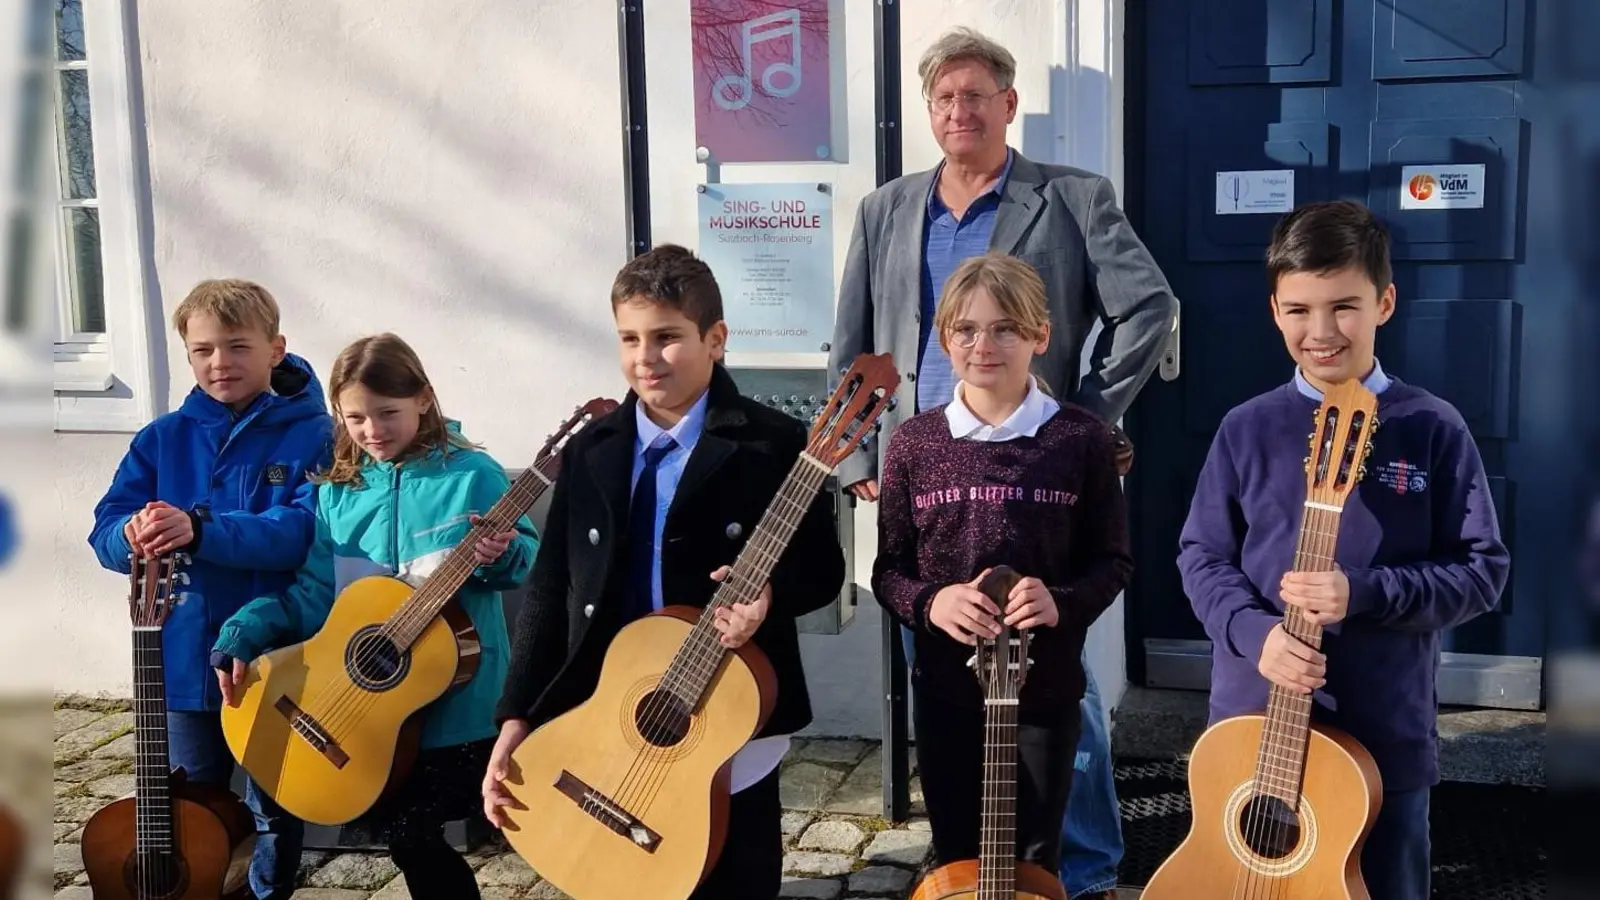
[636,133]
[896,721]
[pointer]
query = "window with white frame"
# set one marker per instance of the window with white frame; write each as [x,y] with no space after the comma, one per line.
[102,342]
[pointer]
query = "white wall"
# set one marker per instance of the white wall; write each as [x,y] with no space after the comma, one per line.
[453,172]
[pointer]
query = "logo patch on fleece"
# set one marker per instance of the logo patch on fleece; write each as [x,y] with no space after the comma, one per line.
[277,474]
[1403,477]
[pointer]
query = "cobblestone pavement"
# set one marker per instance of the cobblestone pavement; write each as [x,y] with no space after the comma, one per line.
[837,844]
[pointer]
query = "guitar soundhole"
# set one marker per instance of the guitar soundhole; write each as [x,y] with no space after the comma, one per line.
[1270,828]
[373,661]
[662,718]
[155,876]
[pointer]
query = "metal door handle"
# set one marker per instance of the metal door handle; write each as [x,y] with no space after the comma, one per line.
[1169,358]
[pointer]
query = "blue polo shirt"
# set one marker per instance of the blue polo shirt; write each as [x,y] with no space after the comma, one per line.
[946,242]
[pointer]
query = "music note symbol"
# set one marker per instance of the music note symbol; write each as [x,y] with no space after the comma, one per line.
[766,28]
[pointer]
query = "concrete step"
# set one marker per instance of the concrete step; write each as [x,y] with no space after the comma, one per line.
[1485,746]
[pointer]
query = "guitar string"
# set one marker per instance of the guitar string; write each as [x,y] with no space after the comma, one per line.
[1320,558]
[653,715]
[709,649]
[698,658]
[337,706]
[1257,827]
[645,771]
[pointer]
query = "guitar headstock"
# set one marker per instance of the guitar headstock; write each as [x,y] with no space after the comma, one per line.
[1001,662]
[549,456]
[1341,443]
[150,594]
[865,392]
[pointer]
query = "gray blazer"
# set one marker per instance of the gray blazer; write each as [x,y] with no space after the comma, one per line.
[1065,222]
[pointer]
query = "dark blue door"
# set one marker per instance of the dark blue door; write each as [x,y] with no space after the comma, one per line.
[1385,101]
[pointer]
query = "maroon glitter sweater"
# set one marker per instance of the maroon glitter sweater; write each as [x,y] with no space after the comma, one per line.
[1049,506]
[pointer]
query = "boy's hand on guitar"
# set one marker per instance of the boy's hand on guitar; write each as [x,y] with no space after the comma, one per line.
[228,680]
[1290,664]
[495,796]
[1031,604]
[738,622]
[1323,597]
[964,612]
[162,529]
[490,547]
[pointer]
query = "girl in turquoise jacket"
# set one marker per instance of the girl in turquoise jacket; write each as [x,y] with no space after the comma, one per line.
[403,490]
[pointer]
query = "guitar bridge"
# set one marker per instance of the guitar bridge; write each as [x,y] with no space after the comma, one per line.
[607,812]
[313,733]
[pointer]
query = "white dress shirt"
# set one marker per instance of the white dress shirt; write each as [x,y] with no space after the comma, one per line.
[1036,409]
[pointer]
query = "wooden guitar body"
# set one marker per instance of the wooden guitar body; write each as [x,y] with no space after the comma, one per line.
[1318,857]
[597,814]
[327,726]
[213,837]
[959,881]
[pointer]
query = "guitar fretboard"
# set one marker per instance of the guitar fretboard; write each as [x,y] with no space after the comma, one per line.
[1280,764]
[408,622]
[702,652]
[997,840]
[152,765]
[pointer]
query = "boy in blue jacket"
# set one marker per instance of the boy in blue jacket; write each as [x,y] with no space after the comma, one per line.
[1419,547]
[224,480]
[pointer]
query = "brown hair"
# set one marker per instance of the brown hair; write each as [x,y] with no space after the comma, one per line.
[1015,286]
[385,365]
[672,276]
[236,303]
[1326,237]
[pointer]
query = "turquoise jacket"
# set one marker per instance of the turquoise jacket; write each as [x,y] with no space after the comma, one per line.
[402,521]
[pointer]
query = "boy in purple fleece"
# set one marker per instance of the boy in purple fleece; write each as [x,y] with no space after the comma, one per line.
[1419,546]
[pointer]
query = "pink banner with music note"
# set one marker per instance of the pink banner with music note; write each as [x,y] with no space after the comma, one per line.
[762,80]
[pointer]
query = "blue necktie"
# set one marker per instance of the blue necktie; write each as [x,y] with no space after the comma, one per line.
[642,531]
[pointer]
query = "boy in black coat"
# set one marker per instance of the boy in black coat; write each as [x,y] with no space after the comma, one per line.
[688,466]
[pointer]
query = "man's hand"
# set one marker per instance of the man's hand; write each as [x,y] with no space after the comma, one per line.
[164,528]
[230,680]
[1290,664]
[1323,597]
[964,612]
[739,621]
[495,796]
[1031,604]
[866,490]
[1123,449]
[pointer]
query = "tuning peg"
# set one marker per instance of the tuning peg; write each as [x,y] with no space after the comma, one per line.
[1375,423]
[1367,452]
[1307,462]
[180,577]
[1361,473]
[972,662]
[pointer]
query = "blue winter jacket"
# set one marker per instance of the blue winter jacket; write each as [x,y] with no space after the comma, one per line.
[243,479]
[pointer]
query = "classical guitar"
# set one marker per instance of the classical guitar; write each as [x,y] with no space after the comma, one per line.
[327,726]
[172,840]
[626,795]
[1282,807]
[1001,664]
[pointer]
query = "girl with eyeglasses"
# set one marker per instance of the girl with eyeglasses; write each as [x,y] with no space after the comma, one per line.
[1002,475]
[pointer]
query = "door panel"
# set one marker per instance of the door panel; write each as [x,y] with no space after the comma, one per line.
[1347,95]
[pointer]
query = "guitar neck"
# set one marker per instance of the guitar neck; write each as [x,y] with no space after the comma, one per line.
[997,843]
[407,623]
[1280,765]
[702,652]
[152,766]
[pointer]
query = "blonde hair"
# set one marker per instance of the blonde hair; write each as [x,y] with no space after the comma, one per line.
[1014,285]
[965,43]
[385,365]
[234,302]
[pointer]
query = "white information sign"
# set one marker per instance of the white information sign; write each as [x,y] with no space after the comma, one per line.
[1442,187]
[1258,191]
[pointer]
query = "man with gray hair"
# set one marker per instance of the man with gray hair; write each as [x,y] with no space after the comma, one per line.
[910,235]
